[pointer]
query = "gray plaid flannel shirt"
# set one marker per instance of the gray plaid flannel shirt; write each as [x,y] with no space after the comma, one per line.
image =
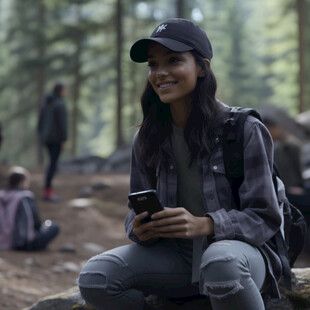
[257,219]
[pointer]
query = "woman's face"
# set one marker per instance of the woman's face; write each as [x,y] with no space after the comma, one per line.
[25,184]
[63,92]
[172,75]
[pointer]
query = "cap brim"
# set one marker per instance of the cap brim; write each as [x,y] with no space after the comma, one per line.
[138,51]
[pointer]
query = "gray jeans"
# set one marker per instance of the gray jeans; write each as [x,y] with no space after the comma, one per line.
[231,274]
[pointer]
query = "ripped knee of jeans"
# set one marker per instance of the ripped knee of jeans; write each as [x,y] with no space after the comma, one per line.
[102,272]
[92,279]
[221,290]
[219,277]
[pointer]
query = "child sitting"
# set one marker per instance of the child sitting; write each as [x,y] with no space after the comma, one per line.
[20,223]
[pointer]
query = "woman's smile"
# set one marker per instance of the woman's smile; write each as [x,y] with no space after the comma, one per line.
[165,85]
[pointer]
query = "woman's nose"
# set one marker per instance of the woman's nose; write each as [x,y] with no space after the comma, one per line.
[161,72]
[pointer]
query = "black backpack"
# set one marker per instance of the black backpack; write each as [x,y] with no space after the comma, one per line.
[290,242]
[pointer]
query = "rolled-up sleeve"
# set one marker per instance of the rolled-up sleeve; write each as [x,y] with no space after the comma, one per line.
[258,218]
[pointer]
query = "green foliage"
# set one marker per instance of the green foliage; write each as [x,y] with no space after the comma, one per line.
[255,61]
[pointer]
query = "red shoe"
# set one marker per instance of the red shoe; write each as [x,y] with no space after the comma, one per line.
[49,195]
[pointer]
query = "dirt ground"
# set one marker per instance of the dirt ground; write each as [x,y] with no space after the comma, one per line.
[26,277]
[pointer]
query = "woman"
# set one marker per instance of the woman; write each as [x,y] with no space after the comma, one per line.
[201,242]
[20,224]
[52,128]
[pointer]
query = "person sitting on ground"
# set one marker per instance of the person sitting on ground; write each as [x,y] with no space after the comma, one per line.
[287,157]
[20,223]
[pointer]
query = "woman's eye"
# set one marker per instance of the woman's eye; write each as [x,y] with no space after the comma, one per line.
[151,64]
[174,59]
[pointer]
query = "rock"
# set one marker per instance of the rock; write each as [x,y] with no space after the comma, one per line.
[68,300]
[100,186]
[84,165]
[86,192]
[68,248]
[82,203]
[298,298]
[89,168]
[66,266]
[304,119]
[57,269]
[119,161]
[72,267]
[32,262]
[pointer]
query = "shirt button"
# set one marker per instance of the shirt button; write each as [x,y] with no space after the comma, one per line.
[171,167]
[215,167]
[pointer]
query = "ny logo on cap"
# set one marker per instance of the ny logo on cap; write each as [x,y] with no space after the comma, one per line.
[161,28]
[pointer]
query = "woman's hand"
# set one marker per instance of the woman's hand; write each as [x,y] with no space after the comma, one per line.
[144,231]
[179,223]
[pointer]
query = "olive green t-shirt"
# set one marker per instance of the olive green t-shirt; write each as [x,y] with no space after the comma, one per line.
[189,188]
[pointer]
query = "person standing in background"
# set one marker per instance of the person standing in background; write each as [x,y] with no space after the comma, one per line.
[52,128]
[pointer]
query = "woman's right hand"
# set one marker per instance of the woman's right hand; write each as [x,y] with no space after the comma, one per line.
[144,231]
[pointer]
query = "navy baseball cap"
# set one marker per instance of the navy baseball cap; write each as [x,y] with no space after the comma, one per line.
[176,34]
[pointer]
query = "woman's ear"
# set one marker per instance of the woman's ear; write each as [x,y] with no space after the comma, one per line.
[201,72]
[207,61]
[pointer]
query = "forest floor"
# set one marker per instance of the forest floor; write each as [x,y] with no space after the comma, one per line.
[27,276]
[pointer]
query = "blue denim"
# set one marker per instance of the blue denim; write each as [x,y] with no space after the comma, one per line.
[54,151]
[231,273]
[256,221]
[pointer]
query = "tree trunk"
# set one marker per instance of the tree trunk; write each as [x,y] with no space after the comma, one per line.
[135,86]
[180,8]
[41,76]
[76,87]
[302,23]
[119,41]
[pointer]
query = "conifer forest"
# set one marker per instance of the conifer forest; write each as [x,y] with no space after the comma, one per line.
[261,56]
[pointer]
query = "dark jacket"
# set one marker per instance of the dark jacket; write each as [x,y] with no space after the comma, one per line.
[255,222]
[27,208]
[52,125]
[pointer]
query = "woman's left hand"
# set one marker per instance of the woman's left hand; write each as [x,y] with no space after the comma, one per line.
[179,223]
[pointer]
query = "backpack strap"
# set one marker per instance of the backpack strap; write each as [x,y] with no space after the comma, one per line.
[233,136]
[282,252]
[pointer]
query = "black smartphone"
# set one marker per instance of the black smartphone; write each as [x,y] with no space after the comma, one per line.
[145,201]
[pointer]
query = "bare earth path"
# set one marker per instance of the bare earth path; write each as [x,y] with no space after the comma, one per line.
[25,277]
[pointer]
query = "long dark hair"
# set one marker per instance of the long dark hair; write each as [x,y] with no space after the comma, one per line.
[202,125]
[15,176]
[55,94]
[57,89]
